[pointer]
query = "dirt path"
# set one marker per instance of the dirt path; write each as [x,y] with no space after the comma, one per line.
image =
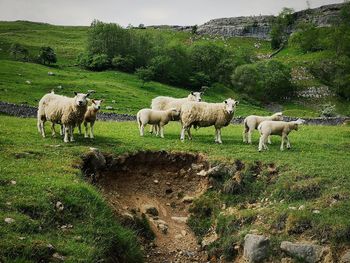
[166,191]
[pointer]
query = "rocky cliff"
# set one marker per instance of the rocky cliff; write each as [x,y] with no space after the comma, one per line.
[260,26]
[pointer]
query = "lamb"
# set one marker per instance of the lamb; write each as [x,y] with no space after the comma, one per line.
[64,110]
[281,128]
[158,118]
[203,114]
[165,103]
[90,117]
[252,122]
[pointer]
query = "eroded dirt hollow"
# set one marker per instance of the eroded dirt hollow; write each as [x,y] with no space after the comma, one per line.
[161,186]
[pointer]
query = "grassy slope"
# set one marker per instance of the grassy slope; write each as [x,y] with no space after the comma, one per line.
[319,154]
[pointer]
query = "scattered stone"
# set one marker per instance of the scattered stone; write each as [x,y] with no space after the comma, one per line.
[19,74]
[209,239]
[302,207]
[13,182]
[28,82]
[113,101]
[292,208]
[345,258]
[151,210]
[21,238]
[309,253]
[109,108]
[91,91]
[256,247]
[202,173]
[316,211]
[59,87]
[50,73]
[187,199]
[196,167]
[178,236]
[58,256]
[8,203]
[180,219]
[183,232]
[9,220]
[167,204]
[168,183]
[156,181]
[59,206]
[163,228]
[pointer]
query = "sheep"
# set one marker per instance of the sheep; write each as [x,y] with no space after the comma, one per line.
[158,118]
[165,103]
[281,128]
[252,122]
[203,114]
[64,110]
[90,117]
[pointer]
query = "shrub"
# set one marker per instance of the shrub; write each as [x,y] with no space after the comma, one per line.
[280,27]
[328,110]
[307,38]
[126,63]
[145,74]
[19,52]
[99,62]
[265,81]
[47,56]
[199,79]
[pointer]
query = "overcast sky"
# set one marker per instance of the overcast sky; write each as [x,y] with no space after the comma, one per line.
[151,12]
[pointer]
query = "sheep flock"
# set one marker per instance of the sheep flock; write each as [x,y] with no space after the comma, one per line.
[191,112]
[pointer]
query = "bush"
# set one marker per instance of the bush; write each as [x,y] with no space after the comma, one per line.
[93,62]
[307,38]
[265,81]
[126,63]
[199,79]
[280,27]
[145,74]
[47,56]
[328,110]
[19,52]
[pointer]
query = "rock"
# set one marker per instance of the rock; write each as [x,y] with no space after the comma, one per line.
[58,256]
[113,101]
[94,163]
[345,258]
[163,228]
[109,108]
[196,167]
[183,232]
[178,236]
[156,181]
[316,211]
[59,87]
[309,253]
[151,210]
[202,173]
[50,73]
[256,247]
[302,207]
[9,220]
[91,91]
[180,219]
[209,239]
[13,182]
[187,199]
[59,206]
[28,82]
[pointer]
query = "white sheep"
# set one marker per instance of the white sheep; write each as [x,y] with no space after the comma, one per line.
[69,112]
[90,117]
[281,128]
[158,118]
[203,114]
[252,122]
[165,103]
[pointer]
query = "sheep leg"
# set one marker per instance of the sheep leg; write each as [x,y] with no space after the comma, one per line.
[182,136]
[269,139]
[219,136]
[189,133]
[260,143]
[288,143]
[151,129]
[92,129]
[86,129]
[282,142]
[264,142]
[250,136]
[79,128]
[245,135]
[142,129]
[61,130]
[66,133]
[157,130]
[161,128]
[71,130]
[41,127]
[53,131]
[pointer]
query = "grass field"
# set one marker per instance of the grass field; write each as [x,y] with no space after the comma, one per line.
[45,171]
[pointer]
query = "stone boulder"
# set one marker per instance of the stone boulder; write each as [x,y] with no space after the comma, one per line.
[256,247]
[309,253]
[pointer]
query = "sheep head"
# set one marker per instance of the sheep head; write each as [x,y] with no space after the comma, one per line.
[81,99]
[96,104]
[230,105]
[195,96]
[278,116]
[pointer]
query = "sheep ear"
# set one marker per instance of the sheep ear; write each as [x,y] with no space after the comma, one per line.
[192,93]
[93,101]
[75,93]
[237,102]
[87,95]
[225,101]
[202,92]
[101,101]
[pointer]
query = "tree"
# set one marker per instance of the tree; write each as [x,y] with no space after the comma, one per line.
[47,56]
[18,50]
[307,38]
[194,29]
[126,63]
[145,74]
[280,28]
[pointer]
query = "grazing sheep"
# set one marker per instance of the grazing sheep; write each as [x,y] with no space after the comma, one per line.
[252,122]
[158,118]
[165,103]
[203,114]
[69,112]
[90,117]
[281,128]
